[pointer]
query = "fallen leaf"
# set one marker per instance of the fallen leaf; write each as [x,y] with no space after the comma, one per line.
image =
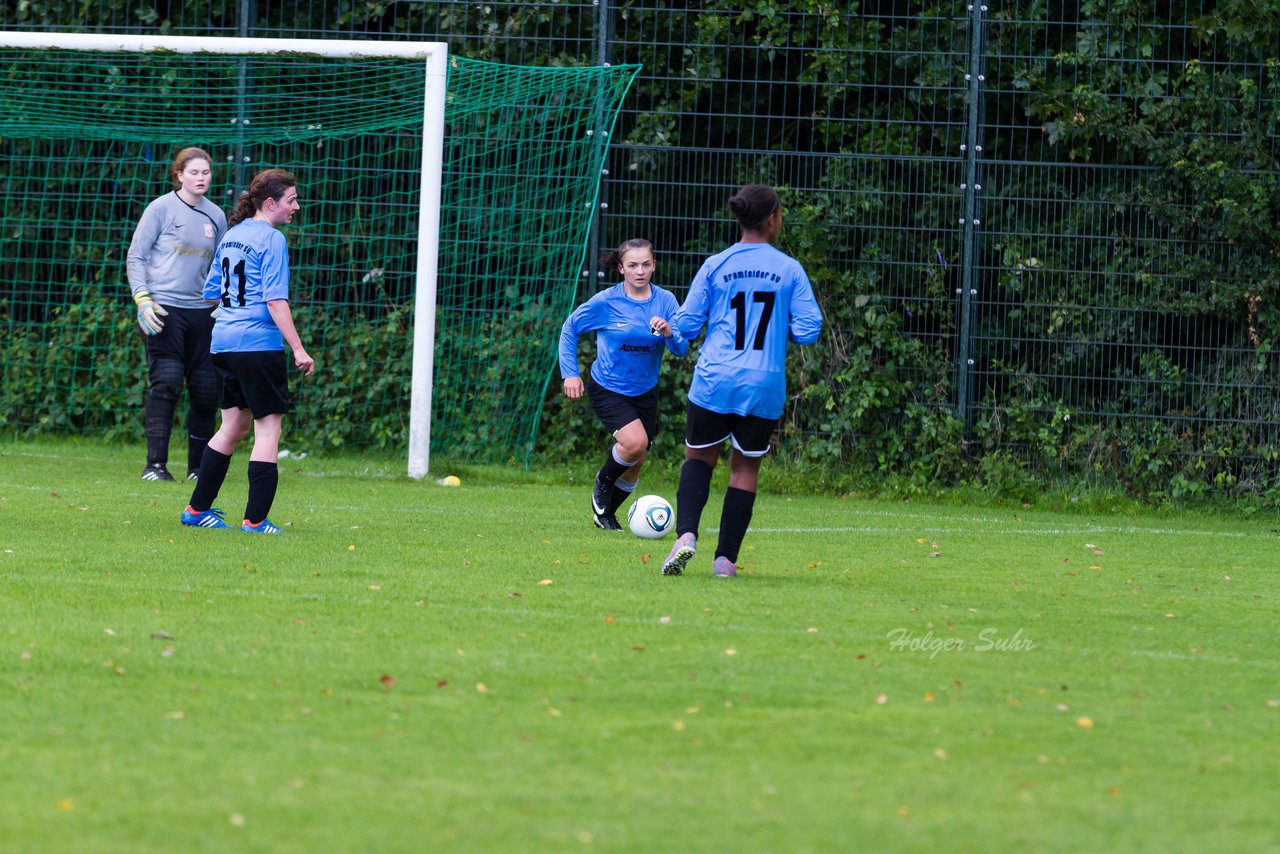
[730,652]
[1084,723]
[678,726]
[374,587]
[644,558]
[546,582]
[1097,551]
[664,620]
[940,753]
[387,680]
[609,618]
[482,688]
[881,699]
[351,547]
[928,697]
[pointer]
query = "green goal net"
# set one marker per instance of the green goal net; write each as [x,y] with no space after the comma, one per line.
[86,138]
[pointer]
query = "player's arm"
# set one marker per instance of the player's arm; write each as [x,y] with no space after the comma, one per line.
[666,327]
[806,315]
[283,318]
[145,235]
[692,315]
[583,319]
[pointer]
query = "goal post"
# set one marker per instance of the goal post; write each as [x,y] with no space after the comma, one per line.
[440,195]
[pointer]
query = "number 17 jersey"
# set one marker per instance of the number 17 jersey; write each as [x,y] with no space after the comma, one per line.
[752,299]
[250,268]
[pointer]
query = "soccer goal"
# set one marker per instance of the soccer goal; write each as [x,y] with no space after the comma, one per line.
[438,193]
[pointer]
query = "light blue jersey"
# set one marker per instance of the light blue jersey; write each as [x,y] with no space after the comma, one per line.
[752,299]
[250,268]
[628,355]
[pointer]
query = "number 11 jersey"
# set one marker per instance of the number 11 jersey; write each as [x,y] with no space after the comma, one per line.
[250,268]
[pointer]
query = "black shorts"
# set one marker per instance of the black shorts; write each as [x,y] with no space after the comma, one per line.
[616,411]
[750,434]
[186,337]
[257,381]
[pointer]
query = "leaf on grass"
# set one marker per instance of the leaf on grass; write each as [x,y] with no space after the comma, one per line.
[374,587]
[351,547]
[161,636]
[386,679]
[482,688]
[1095,566]
[881,699]
[678,726]
[546,582]
[1097,551]
[1084,723]
[664,620]
[66,805]
[940,753]
[442,683]
[644,558]
[609,618]
[935,554]
[928,697]
[730,651]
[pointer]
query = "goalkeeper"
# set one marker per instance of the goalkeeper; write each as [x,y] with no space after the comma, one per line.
[169,257]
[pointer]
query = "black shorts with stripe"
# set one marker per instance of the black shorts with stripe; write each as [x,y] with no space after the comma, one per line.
[750,434]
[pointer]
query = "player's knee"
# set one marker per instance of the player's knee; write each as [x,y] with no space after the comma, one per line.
[166,380]
[634,445]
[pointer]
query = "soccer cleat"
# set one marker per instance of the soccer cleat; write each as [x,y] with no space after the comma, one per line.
[606,521]
[724,568]
[263,527]
[193,474]
[211,518]
[600,497]
[156,471]
[686,546]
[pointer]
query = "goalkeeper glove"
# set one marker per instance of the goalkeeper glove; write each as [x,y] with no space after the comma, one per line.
[149,313]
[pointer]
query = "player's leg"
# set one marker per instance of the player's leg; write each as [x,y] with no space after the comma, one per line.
[202,387]
[267,390]
[632,442]
[751,439]
[704,434]
[636,437]
[616,412]
[264,473]
[165,378]
[200,512]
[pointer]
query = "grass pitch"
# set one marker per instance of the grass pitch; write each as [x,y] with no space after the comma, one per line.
[416,668]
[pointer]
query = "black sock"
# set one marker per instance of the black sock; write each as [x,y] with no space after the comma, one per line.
[213,471]
[611,470]
[691,495]
[621,489]
[734,519]
[263,479]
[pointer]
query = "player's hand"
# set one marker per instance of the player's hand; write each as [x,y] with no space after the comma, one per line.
[659,326]
[304,362]
[573,388]
[149,314]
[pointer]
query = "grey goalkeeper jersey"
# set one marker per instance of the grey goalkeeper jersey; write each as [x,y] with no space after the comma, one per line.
[172,248]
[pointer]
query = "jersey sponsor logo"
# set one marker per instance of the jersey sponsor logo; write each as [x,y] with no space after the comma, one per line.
[635,348]
[208,230]
[751,274]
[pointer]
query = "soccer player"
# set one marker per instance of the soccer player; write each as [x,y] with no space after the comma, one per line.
[249,279]
[167,262]
[632,322]
[752,299]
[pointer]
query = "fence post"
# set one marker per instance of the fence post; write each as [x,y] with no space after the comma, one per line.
[970,221]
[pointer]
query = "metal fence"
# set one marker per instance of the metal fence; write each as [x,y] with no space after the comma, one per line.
[966,166]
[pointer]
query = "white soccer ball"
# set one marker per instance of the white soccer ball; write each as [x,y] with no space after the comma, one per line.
[651,517]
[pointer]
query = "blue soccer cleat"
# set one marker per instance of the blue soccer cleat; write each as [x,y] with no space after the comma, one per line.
[211,518]
[263,527]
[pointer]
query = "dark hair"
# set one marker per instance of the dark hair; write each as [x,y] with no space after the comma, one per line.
[753,204]
[182,158]
[612,259]
[267,184]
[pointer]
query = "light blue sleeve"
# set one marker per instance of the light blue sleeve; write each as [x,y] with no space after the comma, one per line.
[806,315]
[692,315]
[584,318]
[677,344]
[275,269]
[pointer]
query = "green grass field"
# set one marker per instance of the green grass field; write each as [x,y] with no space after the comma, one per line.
[414,668]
